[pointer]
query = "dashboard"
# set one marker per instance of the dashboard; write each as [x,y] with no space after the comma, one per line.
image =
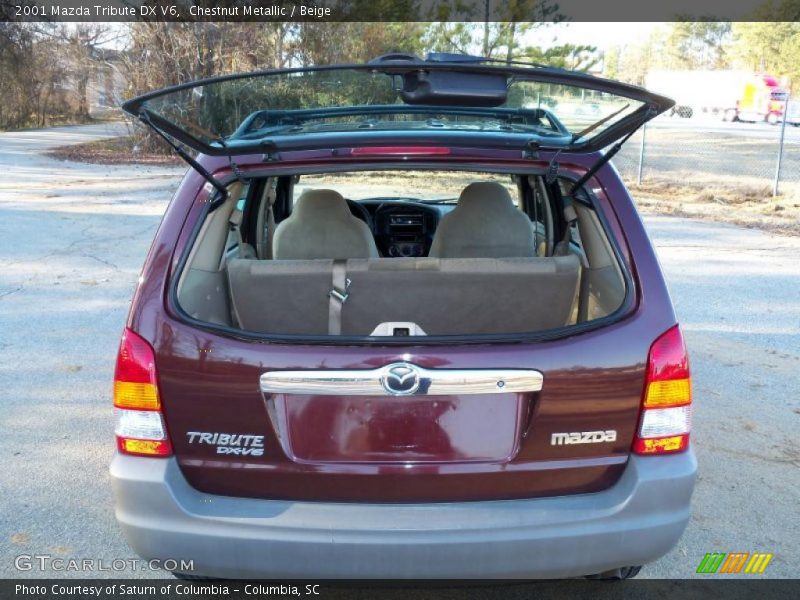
[403,227]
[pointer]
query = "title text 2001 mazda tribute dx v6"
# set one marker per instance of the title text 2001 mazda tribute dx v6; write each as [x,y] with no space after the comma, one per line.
[402,319]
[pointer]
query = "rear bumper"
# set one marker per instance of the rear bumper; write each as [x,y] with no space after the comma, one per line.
[636,521]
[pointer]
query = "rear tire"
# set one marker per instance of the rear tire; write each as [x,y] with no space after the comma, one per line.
[617,574]
[730,116]
[772,118]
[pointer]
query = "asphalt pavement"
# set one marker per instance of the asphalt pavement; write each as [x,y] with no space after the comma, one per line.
[72,241]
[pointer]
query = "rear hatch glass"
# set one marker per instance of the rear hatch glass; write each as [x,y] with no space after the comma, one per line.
[347,105]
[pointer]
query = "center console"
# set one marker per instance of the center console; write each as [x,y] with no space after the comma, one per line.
[405,231]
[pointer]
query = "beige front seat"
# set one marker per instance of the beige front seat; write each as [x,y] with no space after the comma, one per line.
[321,226]
[484,224]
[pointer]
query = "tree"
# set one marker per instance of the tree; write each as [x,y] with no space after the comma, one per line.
[769,47]
[683,45]
[81,46]
[696,45]
[630,63]
[33,79]
[611,61]
[506,40]
[567,56]
[340,43]
[501,33]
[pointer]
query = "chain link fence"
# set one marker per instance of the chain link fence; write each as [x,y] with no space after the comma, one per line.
[752,159]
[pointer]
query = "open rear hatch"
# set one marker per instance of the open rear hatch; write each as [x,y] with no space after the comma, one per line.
[400,99]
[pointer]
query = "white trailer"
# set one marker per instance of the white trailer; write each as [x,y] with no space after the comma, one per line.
[699,92]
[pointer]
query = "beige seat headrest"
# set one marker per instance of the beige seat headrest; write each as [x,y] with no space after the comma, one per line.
[319,202]
[322,226]
[485,196]
[484,224]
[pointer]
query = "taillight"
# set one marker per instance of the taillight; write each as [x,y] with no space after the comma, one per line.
[667,401]
[139,426]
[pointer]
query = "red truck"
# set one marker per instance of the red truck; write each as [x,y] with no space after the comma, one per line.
[761,99]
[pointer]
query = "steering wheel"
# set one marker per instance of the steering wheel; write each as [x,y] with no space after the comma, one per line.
[360,212]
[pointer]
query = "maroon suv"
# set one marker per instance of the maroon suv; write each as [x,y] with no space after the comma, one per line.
[402,319]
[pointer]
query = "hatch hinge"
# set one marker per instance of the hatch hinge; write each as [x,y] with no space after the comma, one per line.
[531,151]
[270,151]
[144,117]
[232,163]
[552,169]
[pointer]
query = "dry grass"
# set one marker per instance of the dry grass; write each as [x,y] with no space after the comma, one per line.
[748,206]
[114,151]
[413,184]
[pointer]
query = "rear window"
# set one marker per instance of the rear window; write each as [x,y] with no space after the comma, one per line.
[239,111]
[423,186]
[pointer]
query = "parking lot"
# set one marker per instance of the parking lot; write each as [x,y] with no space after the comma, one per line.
[74,237]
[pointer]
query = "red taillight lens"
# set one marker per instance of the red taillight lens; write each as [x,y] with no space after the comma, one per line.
[135,383]
[666,403]
[668,361]
[666,445]
[139,426]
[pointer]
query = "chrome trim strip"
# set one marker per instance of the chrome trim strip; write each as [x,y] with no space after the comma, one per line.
[401,379]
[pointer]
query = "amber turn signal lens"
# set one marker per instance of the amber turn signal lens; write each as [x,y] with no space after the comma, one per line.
[143,396]
[668,393]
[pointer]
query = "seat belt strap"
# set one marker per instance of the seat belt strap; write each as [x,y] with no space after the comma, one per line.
[583,295]
[337,296]
[570,217]
[235,223]
[271,196]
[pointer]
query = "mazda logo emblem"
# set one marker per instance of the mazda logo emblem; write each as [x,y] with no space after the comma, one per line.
[400,379]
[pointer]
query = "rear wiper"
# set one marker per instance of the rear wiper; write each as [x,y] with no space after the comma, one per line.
[593,126]
[144,116]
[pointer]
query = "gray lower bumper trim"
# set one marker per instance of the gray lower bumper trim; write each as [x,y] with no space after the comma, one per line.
[634,522]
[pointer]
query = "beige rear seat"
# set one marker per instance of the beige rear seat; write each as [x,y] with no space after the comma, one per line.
[442,296]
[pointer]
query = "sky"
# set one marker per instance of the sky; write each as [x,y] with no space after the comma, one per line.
[601,35]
